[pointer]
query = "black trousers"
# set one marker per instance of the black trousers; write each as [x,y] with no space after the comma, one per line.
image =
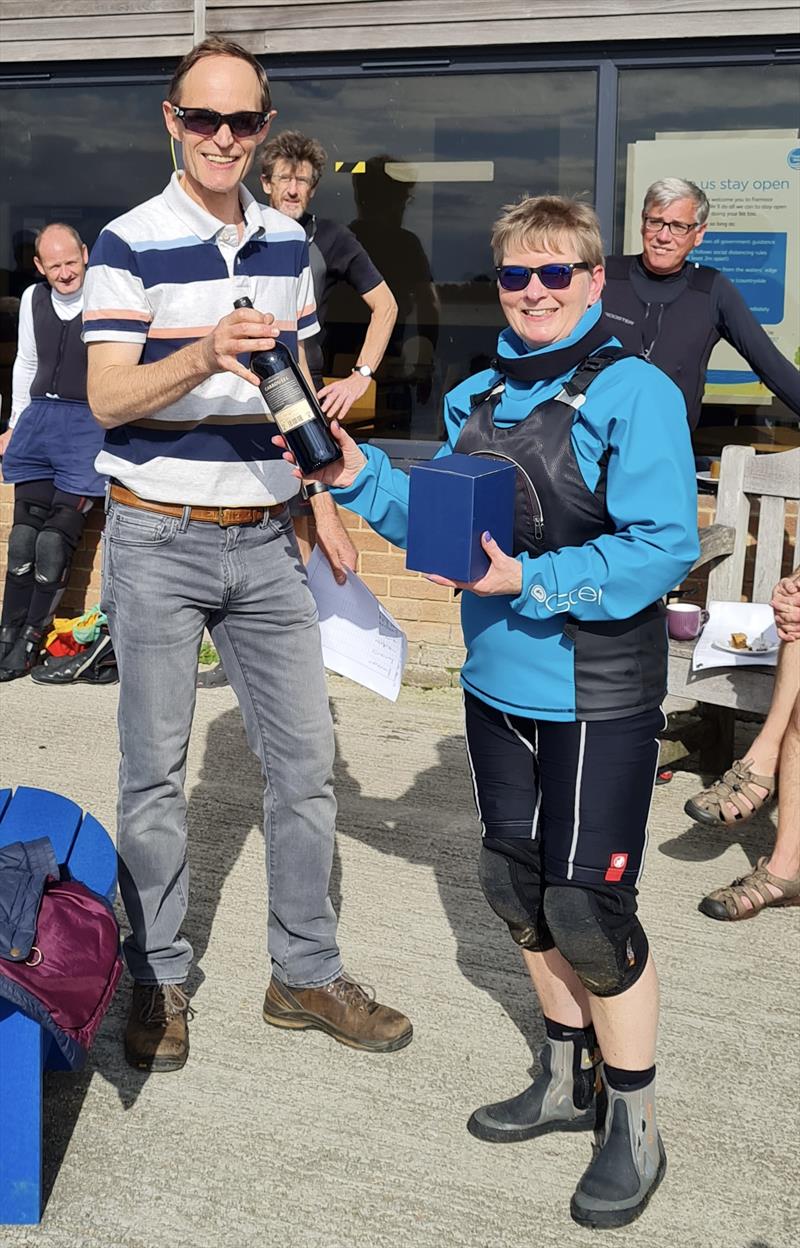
[562,804]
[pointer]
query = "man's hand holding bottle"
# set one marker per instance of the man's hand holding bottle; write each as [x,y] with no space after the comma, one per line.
[241,332]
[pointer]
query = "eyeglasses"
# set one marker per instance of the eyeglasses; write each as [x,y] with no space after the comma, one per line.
[678,229]
[207,122]
[285,178]
[552,276]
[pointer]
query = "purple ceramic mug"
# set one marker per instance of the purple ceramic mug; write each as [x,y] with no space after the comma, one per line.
[684,620]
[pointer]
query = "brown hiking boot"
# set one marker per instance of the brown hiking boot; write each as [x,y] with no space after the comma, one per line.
[157,1035]
[342,1009]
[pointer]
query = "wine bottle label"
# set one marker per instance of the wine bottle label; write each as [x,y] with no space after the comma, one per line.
[286,401]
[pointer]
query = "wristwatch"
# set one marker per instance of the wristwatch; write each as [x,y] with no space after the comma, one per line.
[309,488]
[363,370]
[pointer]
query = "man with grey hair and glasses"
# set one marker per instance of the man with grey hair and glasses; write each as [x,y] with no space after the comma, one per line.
[673,311]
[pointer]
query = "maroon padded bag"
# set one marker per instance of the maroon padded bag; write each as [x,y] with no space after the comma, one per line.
[71,969]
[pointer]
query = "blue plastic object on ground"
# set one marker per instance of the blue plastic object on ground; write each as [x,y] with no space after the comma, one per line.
[26,1051]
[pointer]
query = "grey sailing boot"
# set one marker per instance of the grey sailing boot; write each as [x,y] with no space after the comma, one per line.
[561,1097]
[628,1162]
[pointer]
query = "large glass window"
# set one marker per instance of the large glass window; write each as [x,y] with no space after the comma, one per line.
[435,159]
[75,153]
[426,164]
[733,130]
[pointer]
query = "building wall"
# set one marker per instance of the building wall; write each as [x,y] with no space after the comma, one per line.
[82,30]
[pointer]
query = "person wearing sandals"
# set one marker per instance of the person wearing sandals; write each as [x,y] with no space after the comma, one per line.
[751,782]
[561,725]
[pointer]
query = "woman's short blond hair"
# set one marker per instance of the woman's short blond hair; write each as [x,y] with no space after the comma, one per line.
[551,223]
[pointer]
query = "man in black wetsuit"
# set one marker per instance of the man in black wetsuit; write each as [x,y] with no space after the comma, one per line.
[291,167]
[673,311]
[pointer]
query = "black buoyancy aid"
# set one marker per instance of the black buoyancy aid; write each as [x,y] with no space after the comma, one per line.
[60,352]
[620,665]
[554,506]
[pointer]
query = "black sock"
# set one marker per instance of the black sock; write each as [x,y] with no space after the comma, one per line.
[628,1080]
[578,1035]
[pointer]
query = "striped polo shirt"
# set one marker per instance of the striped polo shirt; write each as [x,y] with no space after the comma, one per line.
[162,276]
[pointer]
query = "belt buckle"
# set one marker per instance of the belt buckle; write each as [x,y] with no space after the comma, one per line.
[221,520]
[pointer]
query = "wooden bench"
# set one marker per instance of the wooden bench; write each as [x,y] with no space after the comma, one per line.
[26,1050]
[744,476]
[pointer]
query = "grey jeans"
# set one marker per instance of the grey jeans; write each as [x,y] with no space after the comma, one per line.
[164,580]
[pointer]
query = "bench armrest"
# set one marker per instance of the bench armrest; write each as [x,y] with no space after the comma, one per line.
[716,540]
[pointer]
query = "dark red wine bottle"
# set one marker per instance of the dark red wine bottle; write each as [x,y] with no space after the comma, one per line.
[293,406]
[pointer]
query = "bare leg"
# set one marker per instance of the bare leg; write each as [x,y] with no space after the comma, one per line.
[764,753]
[626,1025]
[561,994]
[785,859]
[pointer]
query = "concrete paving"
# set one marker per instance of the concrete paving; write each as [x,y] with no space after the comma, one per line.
[288,1139]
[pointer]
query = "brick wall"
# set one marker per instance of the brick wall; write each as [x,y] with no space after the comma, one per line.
[428,614]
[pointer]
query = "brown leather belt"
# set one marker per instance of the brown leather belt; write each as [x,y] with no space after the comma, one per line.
[224,516]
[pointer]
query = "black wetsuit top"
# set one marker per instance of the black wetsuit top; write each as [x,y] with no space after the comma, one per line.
[676,320]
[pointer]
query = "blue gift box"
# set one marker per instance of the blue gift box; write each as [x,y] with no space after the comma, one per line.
[451,502]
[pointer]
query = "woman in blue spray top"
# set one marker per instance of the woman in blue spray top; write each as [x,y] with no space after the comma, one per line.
[564,678]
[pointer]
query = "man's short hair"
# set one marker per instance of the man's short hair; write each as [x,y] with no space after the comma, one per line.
[56,225]
[215,45]
[669,190]
[549,223]
[295,147]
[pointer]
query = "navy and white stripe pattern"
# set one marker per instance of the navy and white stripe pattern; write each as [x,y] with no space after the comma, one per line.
[162,276]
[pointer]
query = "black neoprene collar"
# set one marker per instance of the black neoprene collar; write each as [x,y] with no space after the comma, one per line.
[547,364]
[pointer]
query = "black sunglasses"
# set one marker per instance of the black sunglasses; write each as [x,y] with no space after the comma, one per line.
[552,276]
[206,121]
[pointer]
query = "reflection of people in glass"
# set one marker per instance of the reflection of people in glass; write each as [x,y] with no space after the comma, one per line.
[25,271]
[381,201]
[564,677]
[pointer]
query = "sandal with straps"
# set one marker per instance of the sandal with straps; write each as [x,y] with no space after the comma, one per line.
[728,903]
[735,786]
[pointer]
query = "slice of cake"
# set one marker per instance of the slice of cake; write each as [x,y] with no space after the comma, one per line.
[739,641]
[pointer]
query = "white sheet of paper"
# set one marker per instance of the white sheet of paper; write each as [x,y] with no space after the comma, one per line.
[360,639]
[753,618]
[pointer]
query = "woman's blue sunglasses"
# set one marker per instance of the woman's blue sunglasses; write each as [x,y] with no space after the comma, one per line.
[552,276]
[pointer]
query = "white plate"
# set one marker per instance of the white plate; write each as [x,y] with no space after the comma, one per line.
[756,654]
[705,478]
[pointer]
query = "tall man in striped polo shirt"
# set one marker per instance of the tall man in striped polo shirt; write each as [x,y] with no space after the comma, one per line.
[198,535]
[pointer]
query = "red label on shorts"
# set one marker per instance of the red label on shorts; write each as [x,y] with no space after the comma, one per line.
[616,868]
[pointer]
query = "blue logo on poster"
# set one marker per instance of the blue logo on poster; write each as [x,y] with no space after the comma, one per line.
[793,158]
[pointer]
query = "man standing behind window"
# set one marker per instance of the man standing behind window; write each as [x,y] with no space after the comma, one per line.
[198,535]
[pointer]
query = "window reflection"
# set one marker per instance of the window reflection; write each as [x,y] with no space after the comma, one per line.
[81,154]
[503,136]
[90,152]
